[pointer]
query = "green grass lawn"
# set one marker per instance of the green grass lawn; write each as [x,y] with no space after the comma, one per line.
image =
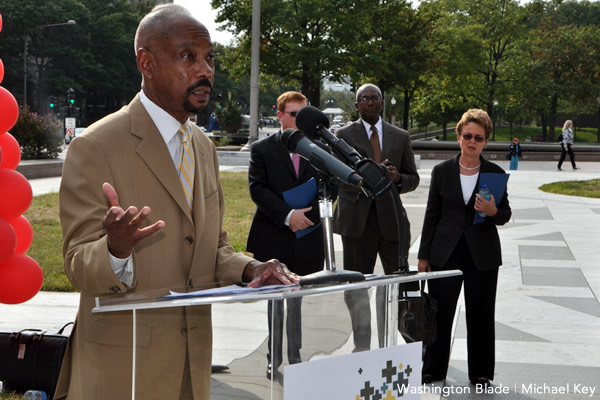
[46,248]
[590,188]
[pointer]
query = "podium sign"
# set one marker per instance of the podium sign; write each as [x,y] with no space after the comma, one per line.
[387,373]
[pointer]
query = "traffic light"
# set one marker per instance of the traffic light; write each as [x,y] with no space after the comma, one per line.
[52,102]
[71,95]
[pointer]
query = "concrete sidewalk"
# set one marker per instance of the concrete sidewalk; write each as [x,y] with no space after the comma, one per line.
[547,313]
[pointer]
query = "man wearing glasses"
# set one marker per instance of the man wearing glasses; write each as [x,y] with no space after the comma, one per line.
[368,226]
[280,231]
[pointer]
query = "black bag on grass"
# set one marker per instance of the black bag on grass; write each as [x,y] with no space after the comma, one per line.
[31,359]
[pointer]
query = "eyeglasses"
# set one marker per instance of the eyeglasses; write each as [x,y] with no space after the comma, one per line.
[366,99]
[469,136]
[292,113]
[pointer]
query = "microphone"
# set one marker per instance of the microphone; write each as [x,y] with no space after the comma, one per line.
[296,142]
[376,180]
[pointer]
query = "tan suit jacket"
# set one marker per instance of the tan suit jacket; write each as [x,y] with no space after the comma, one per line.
[126,150]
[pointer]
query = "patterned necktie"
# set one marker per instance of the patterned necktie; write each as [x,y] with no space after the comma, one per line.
[296,162]
[187,163]
[375,144]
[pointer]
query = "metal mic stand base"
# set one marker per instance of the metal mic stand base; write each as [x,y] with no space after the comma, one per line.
[327,277]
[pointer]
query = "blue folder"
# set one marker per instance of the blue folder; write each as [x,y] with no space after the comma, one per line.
[301,197]
[496,183]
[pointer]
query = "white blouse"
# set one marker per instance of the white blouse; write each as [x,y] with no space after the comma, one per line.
[467,183]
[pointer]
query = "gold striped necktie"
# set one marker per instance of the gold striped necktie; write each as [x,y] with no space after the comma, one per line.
[187,163]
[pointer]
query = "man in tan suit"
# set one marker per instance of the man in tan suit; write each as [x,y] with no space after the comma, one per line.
[143,156]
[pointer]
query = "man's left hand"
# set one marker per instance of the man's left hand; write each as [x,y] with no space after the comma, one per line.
[271,272]
[393,171]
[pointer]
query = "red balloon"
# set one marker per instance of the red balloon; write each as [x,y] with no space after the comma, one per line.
[8,240]
[21,277]
[15,194]
[24,234]
[12,151]
[0,22]
[0,153]
[10,110]
[1,70]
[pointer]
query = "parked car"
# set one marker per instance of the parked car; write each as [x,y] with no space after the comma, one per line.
[334,128]
[78,131]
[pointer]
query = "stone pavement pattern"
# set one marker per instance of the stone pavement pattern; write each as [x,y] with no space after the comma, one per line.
[547,313]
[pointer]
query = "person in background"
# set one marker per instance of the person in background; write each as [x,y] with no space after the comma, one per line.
[515,154]
[450,240]
[276,225]
[566,142]
[368,226]
[148,155]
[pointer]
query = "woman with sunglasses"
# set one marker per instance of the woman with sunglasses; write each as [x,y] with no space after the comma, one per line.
[450,240]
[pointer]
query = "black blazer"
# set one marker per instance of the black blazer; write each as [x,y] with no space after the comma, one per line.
[447,219]
[353,206]
[271,173]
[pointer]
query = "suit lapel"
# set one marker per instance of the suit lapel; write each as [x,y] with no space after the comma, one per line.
[362,137]
[387,142]
[153,150]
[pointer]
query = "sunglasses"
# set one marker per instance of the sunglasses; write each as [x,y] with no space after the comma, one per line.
[469,136]
[292,113]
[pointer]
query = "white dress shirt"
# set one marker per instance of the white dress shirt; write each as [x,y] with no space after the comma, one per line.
[379,127]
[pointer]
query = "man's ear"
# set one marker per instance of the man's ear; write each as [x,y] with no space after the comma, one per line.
[145,62]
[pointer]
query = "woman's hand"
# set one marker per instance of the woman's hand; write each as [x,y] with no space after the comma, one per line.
[488,207]
[424,265]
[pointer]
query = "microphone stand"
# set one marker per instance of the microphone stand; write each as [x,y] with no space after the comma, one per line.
[404,288]
[329,274]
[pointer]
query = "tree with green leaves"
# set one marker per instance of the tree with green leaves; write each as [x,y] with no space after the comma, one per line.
[94,56]
[300,41]
[563,63]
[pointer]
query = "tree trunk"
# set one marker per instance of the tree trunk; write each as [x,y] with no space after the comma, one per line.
[543,122]
[444,130]
[406,109]
[552,116]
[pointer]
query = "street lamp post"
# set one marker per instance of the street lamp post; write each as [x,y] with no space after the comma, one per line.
[25,44]
[494,120]
[393,102]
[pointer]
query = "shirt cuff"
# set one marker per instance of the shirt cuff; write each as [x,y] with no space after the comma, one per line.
[123,268]
[289,216]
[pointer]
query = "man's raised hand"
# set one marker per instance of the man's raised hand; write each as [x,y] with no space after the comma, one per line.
[123,226]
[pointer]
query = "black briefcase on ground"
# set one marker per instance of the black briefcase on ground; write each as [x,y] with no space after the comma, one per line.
[417,318]
[31,359]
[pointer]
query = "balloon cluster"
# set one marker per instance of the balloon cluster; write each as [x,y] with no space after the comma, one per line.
[20,275]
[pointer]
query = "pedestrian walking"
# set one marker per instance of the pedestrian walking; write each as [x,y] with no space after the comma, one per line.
[566,142]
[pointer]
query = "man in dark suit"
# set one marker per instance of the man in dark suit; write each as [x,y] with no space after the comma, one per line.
[367,226]
[274,170]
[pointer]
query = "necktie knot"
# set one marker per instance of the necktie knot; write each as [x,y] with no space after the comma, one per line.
[185,132]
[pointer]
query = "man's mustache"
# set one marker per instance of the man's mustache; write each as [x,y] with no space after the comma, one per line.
[203,82]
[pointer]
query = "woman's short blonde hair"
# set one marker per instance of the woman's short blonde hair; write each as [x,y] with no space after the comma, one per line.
[568,124]
[478,116]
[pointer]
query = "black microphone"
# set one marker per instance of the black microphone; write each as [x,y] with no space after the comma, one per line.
[314,123]
[296,142]
[376,179]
